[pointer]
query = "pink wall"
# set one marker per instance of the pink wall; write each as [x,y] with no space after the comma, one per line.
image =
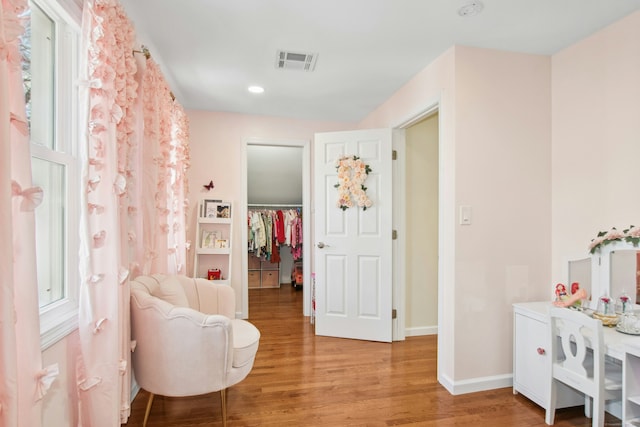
[596,139]
[503,171]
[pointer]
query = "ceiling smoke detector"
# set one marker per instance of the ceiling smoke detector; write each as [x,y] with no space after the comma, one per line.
[296,60]
[471,8]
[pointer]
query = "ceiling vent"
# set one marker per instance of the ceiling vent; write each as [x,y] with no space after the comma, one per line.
[296,60]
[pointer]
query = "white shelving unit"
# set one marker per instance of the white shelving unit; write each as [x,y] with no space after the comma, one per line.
[214,233]
[631,385]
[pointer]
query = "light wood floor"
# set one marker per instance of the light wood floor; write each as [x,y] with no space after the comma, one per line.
[302,380]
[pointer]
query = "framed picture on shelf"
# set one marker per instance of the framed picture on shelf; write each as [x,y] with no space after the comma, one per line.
[209,238]
[223,210]
[210,208]
[221,243]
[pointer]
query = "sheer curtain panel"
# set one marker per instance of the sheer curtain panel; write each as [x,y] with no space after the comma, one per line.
[23,382]
[110,90]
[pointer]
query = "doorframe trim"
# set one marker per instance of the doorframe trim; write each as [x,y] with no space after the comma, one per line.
[306,215]
[399,191]
[399,221]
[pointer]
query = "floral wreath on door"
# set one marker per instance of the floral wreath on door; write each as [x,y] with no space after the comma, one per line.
[352,173]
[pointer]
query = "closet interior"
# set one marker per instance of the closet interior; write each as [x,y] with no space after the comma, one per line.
[274,245]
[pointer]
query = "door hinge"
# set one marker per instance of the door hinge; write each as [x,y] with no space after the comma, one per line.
[394,155]
[394,313]
[394,234]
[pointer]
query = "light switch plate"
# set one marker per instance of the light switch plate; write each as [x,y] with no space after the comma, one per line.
[465,215]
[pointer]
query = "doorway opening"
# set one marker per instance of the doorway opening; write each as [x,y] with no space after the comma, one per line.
[413,295]
[276,189]
[421,219]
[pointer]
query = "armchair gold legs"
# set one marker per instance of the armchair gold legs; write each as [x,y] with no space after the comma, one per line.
[146,413]
[223,401]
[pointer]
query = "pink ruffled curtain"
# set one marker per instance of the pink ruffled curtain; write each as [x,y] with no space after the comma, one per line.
[22,380]
[131,210]
[165,160]
[179,162]
[111,90]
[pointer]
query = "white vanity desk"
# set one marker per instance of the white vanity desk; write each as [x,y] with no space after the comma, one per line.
[531,365]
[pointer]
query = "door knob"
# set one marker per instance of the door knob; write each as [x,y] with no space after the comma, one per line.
[322,245]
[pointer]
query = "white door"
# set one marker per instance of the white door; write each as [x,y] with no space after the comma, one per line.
[353,262]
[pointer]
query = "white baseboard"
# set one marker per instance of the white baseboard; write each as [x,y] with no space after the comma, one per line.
[420,331]
[464,386]
[135,388]
[476,384]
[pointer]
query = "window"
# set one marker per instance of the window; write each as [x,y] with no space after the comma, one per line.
[50,72]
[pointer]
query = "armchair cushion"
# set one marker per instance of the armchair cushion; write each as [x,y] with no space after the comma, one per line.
[166,288]
[245,342]
[171,291]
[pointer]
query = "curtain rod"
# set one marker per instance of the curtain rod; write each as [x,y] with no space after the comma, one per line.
[144,50]
[147,54]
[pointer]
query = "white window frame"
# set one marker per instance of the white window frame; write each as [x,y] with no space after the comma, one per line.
[60,318]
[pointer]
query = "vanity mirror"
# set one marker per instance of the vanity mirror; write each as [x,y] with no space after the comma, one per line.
[580,271]
[624,273]
[614,270]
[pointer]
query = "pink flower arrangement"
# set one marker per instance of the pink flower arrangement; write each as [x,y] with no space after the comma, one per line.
[630,235]
[352,172]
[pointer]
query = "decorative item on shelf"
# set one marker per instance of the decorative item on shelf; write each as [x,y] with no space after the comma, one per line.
[221,243]
[574,300]
[223,210]
[606,312]
[214,274]
[604,305]
[352,173]
[209,238]
[623,304]
[629,324]
[561,292]
[579,295]
[209,208]
[630,235]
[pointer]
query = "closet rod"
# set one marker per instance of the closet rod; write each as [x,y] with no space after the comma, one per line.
[254,205]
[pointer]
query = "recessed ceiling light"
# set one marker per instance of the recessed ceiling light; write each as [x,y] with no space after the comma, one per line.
[255,89]
[471,8]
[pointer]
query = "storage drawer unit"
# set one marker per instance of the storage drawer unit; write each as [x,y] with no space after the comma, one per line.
[254,279]
[270,278]
[254,262]
[263,273]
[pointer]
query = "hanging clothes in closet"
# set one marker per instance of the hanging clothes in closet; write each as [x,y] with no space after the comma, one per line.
[270,229]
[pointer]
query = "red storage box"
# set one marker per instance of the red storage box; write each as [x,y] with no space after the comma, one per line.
[214,274]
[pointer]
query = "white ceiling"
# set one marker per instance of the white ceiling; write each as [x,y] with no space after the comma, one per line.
[211,50]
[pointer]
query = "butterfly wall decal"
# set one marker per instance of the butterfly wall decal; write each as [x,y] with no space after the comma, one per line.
[209,186]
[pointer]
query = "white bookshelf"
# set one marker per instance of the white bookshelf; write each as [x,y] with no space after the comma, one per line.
[214,233]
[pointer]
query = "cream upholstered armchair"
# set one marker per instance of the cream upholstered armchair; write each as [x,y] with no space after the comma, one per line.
[187,340]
